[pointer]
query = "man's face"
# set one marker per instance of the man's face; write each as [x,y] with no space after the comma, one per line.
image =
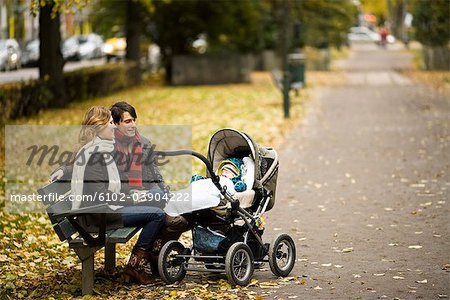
[127,125]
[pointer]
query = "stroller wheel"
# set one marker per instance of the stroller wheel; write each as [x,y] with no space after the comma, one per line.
[282,255]
[239,264]
[170,266]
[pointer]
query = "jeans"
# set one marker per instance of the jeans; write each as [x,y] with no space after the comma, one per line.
[151,219]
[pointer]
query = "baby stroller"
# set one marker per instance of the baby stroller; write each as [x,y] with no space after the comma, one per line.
[228,238]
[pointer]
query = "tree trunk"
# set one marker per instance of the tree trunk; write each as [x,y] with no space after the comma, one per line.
[399,15]
[133,34]
[51,62]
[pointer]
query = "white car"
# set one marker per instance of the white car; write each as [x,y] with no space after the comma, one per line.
[90,46]
[83,47]
[363,34]
[10,55]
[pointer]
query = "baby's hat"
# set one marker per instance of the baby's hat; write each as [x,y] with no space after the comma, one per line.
[231,165]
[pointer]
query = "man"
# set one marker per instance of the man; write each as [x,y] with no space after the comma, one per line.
[134,154]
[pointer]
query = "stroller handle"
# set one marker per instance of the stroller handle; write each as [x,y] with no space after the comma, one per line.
[215,179]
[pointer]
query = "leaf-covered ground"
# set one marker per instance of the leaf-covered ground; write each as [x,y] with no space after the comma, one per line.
[439,80]
[35,264]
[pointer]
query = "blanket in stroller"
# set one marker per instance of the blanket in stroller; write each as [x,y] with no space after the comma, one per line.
[199,195]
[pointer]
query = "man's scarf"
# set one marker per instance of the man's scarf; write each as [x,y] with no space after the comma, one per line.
[135,168]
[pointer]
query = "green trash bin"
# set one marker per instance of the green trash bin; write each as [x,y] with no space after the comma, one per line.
[296,68]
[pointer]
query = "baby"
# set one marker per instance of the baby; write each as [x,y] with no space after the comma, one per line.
[230,168]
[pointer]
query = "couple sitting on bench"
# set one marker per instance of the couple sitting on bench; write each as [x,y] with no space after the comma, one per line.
[107,167]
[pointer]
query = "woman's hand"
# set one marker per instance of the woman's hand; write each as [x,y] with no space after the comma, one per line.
[56,176]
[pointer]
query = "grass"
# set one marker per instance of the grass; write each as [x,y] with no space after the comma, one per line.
[439,80]
[253,108]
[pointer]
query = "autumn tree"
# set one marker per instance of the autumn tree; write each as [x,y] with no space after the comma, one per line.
[431,21]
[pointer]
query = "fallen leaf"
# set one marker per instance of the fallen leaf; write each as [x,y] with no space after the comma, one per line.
[422,281]
[346,250]
[417,185]
[268,284]
[253,282]
[3,258]
[415,247]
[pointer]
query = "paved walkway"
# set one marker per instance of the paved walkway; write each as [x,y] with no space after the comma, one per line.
[363,188]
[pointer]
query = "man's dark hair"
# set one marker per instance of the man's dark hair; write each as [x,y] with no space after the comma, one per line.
[117,110]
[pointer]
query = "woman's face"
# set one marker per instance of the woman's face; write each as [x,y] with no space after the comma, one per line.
[107,133]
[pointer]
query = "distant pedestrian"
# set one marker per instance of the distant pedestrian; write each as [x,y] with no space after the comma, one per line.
[383,36]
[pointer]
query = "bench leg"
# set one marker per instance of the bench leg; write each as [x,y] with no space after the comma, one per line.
[87,275]
[86,255]
[110,256]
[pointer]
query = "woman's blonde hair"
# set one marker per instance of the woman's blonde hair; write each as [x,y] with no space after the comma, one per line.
[95,119]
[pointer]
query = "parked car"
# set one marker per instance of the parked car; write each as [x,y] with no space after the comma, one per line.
[82,47]
[363,34]
[10,55]
[30,55]
[115,48]
[90,46]
[70,49]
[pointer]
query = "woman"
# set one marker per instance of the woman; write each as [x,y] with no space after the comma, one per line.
[96,179]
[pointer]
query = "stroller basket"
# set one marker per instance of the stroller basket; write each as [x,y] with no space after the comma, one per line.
[206,240]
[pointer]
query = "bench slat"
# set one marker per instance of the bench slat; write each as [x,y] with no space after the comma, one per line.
[122,235]
[58,188]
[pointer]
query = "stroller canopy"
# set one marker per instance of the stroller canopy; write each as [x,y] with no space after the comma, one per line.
[227,143]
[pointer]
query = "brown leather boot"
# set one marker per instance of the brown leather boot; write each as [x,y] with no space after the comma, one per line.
[135,269]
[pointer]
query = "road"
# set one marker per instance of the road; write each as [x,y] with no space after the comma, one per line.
[363,188]
[32,73]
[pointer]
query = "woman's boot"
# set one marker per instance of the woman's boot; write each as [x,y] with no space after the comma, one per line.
[135,269]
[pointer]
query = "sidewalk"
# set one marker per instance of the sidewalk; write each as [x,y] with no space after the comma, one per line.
[363,188]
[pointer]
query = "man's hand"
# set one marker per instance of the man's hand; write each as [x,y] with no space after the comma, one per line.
[139,196]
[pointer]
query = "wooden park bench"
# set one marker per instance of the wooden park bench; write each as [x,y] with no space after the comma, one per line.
[277,77]
[67,225]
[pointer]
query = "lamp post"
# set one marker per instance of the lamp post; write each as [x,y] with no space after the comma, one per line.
[284,54]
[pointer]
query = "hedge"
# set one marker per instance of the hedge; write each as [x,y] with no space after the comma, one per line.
[26,98]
